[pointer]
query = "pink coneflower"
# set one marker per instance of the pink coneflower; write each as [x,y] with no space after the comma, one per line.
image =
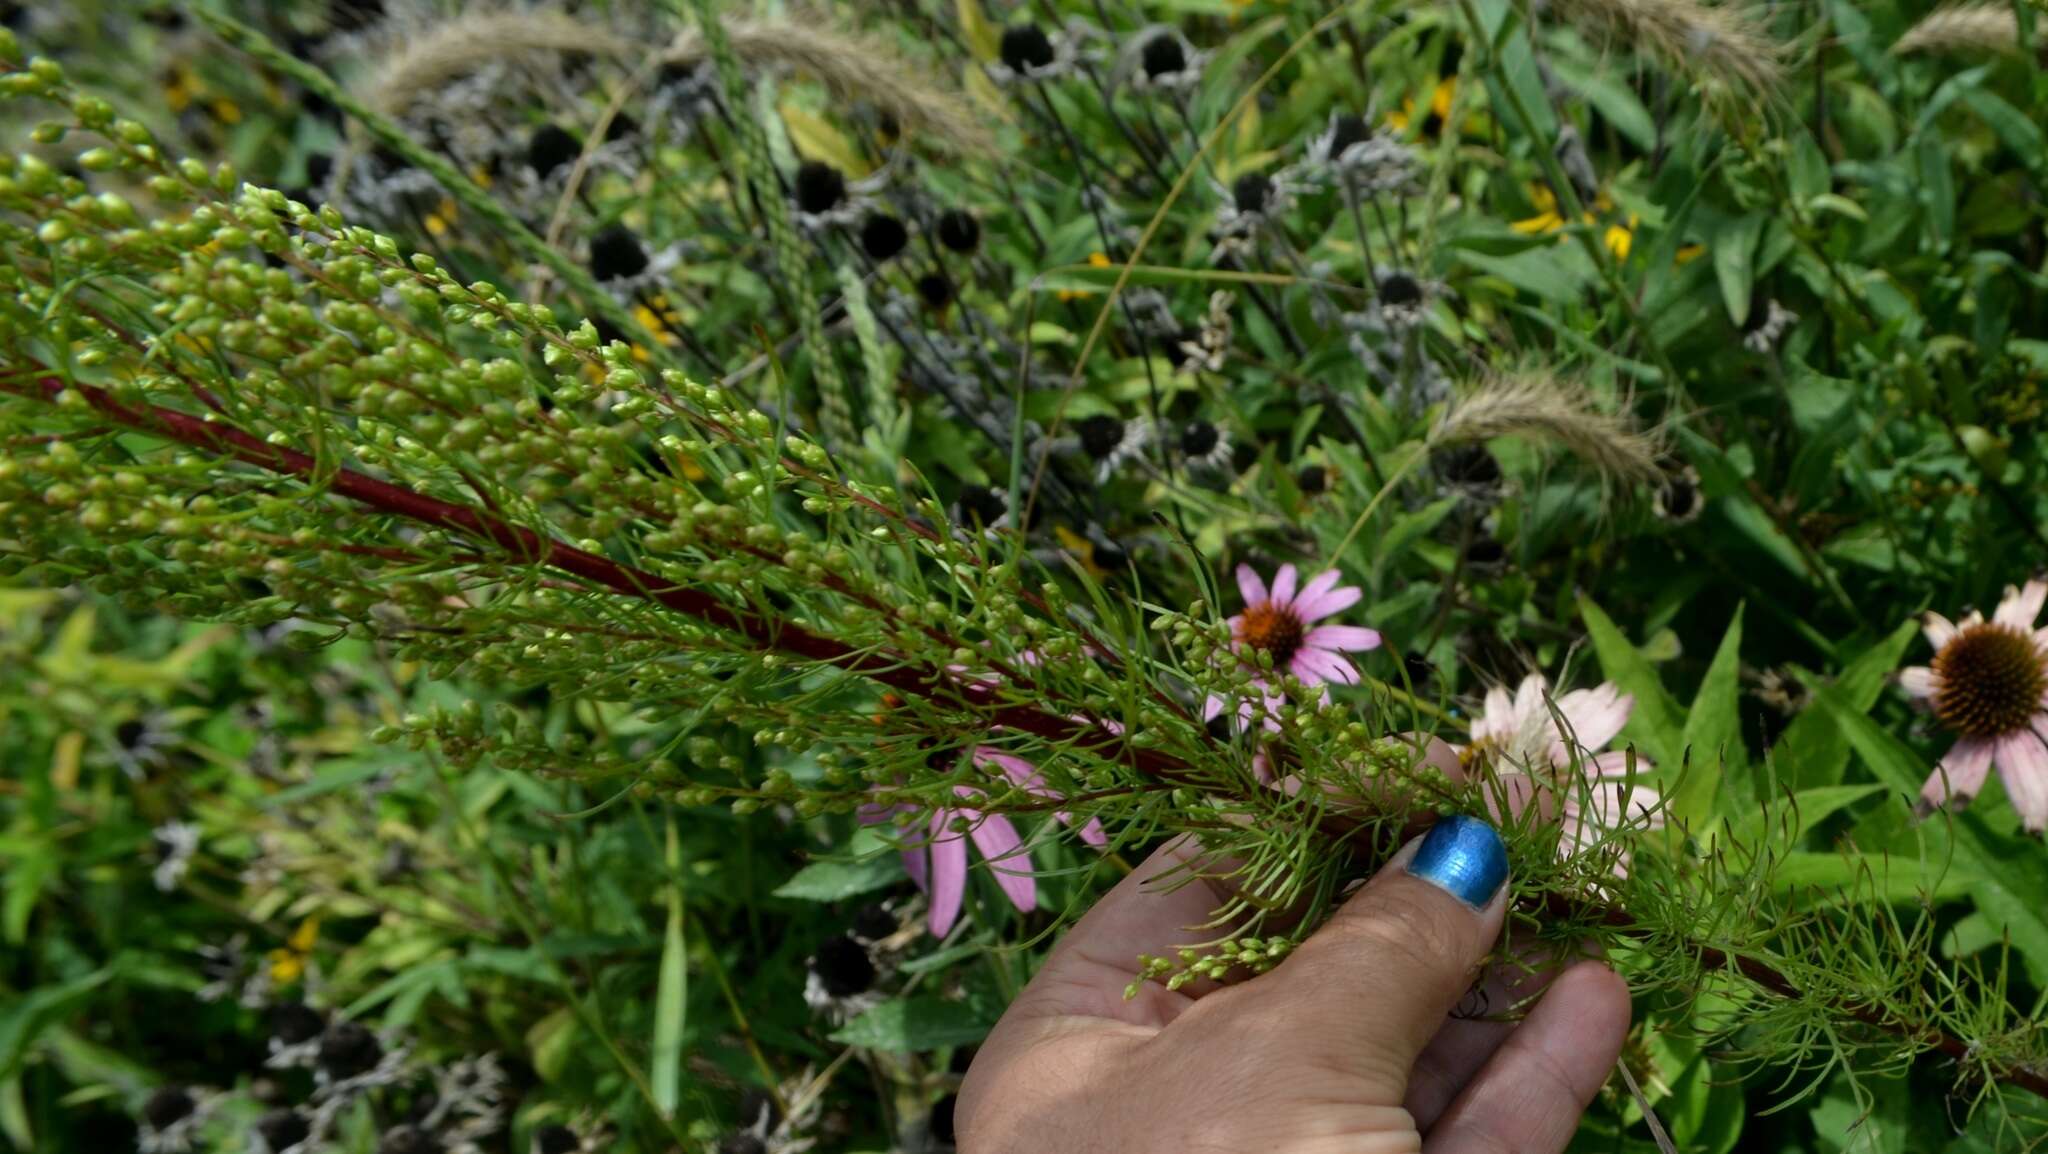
[1278,621]
[1520,741]
[1988,683]
[937,864]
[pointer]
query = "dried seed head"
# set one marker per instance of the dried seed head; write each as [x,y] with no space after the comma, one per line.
[1252,191]
[166,1106]
[843,967]
[616,253]
[1026,48]
[1162,55]
[819,187]
[882,236]
[551,147]
[958,230]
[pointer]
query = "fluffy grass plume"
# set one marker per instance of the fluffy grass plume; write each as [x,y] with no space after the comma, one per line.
[1987,26]
[434,54]
[1720,47]
[853,67]
[1544,408]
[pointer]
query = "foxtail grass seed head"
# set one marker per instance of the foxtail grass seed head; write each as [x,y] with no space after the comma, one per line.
[1553,411]
[1986,26]
[1725,47]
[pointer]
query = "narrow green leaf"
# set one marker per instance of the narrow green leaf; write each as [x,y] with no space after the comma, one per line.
[912,1024]
[1713,735]
[671,993]
[1656,724]
[1781,823]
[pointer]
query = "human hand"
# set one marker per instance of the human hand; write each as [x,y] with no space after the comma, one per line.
[1346,1047]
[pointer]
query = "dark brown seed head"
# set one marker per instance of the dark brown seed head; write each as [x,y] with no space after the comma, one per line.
[1991,679]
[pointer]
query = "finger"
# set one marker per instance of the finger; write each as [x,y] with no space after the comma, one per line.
[1160,907]
[1369,989]
[1475,1029]
[1529,1096]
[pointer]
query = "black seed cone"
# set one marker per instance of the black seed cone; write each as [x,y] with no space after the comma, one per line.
[1485,551]
[758,1106]
[941,1125]
[1110,555]
[873,922]
[882,236]
[742,1144]
[1400,289]
[1312,479]
[347,1049]
[616,253]
[1252,192]
[978,503]
[166,1106]
[1163,55]
[282,1128]
[935,289]
[294,1022]
[958,230]
[1198,438]
[819,187]
[621,127]
[843,967]
[556,1140]
[1348,130]
[1681,496]
[1100,434]
[551,147]
[1026,48]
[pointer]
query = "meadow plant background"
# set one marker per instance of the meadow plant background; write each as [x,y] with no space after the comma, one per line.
[602,576]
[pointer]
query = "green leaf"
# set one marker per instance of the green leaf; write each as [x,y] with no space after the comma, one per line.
[912,1024]
[1734,249]
[25,1020]
[671,994]
[1656,723]
[1813,751]
[2019,132]
[1713,735]
[1848,878]
[832,881]
[1782,823]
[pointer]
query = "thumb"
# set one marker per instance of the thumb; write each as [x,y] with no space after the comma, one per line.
[1370,988]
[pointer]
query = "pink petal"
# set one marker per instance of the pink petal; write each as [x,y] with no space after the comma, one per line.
[1939,630]
[1283,586]
[1021,773]
[1918,681]
[1349,638]
[1958,776]
[1496,717]
[1529,699]
[1091,833]
[1317,585]
[1000,846]
[1307,609]
[1250,586]
[2022,605]
[1614,764]
[1596,715]
[917,863]
[1316,666]
[2023,765]
[949,874]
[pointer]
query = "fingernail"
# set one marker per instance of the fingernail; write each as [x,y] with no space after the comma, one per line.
[1464,857]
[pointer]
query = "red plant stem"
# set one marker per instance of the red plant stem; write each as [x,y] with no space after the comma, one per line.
[532,547]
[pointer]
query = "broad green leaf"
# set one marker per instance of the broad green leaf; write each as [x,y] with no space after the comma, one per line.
[832,881]
[1656,724]
[1847,878]
[913,1024]
[2014,127]
[1784,821]
[1713,735]
[1813,750]
[1734,251]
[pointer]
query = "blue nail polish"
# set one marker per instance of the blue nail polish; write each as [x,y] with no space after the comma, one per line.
[1464,857]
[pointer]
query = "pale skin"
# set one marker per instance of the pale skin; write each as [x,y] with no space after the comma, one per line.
[1349,1046]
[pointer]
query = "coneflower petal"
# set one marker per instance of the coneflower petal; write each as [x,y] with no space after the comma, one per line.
[949,871]
[1250,585]
[1004,851]
[2021,606]
[1958,776]
[1349,638]
[2022,760]
[1324,604]
[1918,681]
